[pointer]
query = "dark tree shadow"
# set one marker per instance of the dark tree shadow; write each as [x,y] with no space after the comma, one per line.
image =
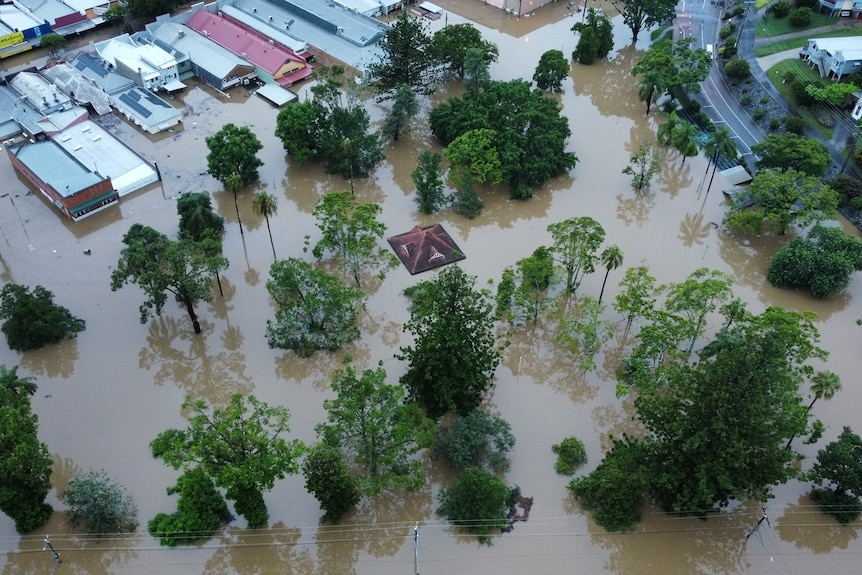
[634,207]
[62,470]
[675,175]
[319,368]
[181,357]
[804,525]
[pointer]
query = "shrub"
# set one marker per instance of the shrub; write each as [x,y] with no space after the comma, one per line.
[780,9]
[856,204]
[727,30]
[738,69]
[32,319]
[478,501]
[200,511]
[737,10]
[774,124]
[746,100]
[476,439]
[800,17]
[801,95]
[848,187]
[812,4]
[794,125]
[764,100]
[99,504]
[758,114]
[570,455]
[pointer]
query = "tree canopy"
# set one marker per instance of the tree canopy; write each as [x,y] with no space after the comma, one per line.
[408,58]
[643,166]
[333,126]
[32,319]
[233,150]
[551,70]
[671,65]
[328,478]
[315,309]
[717,428]
[160,266]
[575,248]
[450,45]
[53,43]
[99,504]
[789,151]
[839,467]
[454,355]
[241,447]
[352,233]
[379,434]
[777,198]
[822,262]
[25,464]
[201,510]
[644,14]
[197,217]
[477,501]
[429,182]
[597,37]
[476,439]
[531,133]
[522,293]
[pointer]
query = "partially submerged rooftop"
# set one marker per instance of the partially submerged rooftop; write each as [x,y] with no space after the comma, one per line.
[52,164]
[422,249]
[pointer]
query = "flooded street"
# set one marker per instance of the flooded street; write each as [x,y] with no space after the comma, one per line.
[104,396]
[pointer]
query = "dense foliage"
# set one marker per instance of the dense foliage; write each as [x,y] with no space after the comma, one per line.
[575,248]
[571,454]
[32,320]
[530,133]
[315,310]
[596,37]
[428,179]
[551,70]
[643,14]
[451,44]
[328,478]
[791,152]
[197,218]
[823,262]
[454,355]
[233,150]
[669,67]
[241,447]
[379,434]
[25,464]
[476,439]
[839,466]
[160,266]
[407,58]
[200,511]
[775,199]
[478,501]
[99,504]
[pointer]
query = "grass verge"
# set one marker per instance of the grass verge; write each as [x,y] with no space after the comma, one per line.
[770,26]
[802,73]
[790,43]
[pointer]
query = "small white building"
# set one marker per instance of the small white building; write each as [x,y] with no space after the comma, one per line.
[834,57]
[145,109]
[147,64]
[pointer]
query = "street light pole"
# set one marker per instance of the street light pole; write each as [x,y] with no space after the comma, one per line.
[416,548]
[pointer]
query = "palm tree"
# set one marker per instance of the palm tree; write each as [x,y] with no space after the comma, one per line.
[683,139]
[234,184]
[266,204]
[650,84]
[824,384]
[665,131]
[719,146]
[10,379]
[611,258]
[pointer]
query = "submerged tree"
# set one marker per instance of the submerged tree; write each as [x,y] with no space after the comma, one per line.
[476,439]
[328,478]
[451,45]
[477,501]
[99,504]
[160,267]
[643,166]
[429,182]
[197,217]
[523,290]
[200,511]
[839,466]
[352,232]
[454,355]
[551,70]
[25,464]
[266,204]
[241,447]
[404,107]
[315,310]
[576,241]
[370,423]
[233,150]
[32,320]
[407,58]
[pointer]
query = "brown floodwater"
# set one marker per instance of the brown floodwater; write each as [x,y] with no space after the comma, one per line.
[103,396]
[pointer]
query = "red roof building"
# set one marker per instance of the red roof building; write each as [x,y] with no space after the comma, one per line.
[272,59]
[422,249]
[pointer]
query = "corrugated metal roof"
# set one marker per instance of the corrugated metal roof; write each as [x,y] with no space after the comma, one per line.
[54,166]
[205,54]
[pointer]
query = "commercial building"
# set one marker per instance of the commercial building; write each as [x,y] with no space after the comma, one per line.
[147,64]
[145,109]
[75,190]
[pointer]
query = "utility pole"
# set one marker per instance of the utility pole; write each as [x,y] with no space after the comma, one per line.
[416,548]
[51,547]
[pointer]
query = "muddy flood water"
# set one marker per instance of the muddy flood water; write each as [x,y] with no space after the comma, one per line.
[103,396]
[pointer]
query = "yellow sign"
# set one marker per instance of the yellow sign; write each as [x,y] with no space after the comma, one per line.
[11,39]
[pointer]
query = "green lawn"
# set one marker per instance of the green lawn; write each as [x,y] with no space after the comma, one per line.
[781,45]
[758,4]
[802,73]
[771,26]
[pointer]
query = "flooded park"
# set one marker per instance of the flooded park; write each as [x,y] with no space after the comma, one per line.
[103,396]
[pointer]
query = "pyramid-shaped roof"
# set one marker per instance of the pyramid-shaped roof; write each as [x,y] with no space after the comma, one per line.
[422,249]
